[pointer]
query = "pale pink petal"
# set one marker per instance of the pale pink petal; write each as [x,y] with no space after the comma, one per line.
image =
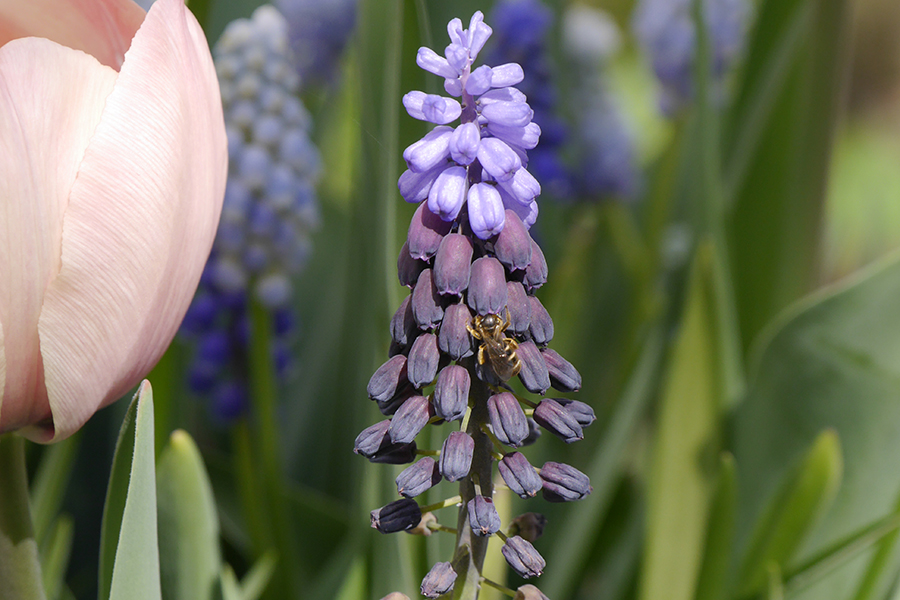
[51,98]
[102,28]
[141,220]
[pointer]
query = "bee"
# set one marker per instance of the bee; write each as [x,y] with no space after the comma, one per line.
[496,349]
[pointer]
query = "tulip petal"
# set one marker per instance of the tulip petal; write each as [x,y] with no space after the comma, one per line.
[51,100]
[141,220]
[102,28]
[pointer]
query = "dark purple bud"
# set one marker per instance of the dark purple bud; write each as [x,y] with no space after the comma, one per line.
[563,483]
[439,581]
[483,517]
[513,245]
[453,264]
[563,376]
[551,415]
[522,557]
[541,327]
[408,268]
[507,419]
[403,324]
[525,592]
[387,379]
[423,360]
[536,272]
[519,475]
[372,438]
[534,432]
[582,412]
[390,406]
[426,302]
[399,515]
[529,526]
[426,230]
[456,455]
[453,338]
[410,419]
[394,454]
[487,286]
[533,374]
[519,308]
[417,478]
[487,374]
[451,393]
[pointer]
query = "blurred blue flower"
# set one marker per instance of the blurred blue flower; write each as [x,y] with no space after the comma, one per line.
[319,30]
[665,29]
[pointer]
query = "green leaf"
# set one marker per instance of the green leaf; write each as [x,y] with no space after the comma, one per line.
[230,589]
[129,553]
[50,482]
[257,578]
[832,361]
[188,525]
[719,534]
[804,496]
[883,565]
[55,556]
[681,479]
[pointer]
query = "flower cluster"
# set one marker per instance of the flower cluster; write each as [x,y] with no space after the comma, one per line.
[269,211]
[318,33]
[472,323]
[665,28]
[481,162]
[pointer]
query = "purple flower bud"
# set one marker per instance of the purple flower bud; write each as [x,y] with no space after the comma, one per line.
[399,515]
[426,302]
[563,376]
[534,374]
[522,186]
[486,216]
[507,74]
[534,433]
[452,264]
[528,526]
[582,412]
[424,357]
[371,438]
[426,230]
[525,592]
[456,455]
[429,152]
[557,420]
[507,419]
[508,114]
[504,94]
[439,581]
[417,478]
[414,187]
[519,307]
[448,193]
[431,107]
[403,324]
[523,558]
[408,268]
[513,245]
[394,454]
[464,143]
[453,338]
[387,379]
[479,80]
[525,138]
[390,406]
[536,273]
[409,420]
[432,62]
[483,517]
[519,475]
[541,328]
[498,158]
[451,394]
[528,212]
[563,483]
[487,286]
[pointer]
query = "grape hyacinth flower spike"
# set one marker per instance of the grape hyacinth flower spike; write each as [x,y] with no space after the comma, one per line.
[470,325]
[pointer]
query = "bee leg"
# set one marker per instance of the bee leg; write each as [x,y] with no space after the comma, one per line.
[507,322]
[481,354]
[474,332]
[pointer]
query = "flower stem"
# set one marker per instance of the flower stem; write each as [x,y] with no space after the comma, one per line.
[468,559]
[20,570]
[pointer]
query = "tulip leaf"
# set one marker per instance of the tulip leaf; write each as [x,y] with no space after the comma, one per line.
[55,556]
[129,552]
[50,482]
[830,362]
[188,523]
[681,480]
[257,578]
[883,565]
[804,496]
[229,587]
[714,570]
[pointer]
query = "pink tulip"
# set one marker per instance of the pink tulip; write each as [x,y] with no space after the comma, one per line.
[112,173]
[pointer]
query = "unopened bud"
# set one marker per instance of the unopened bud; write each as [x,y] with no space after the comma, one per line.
[387,379]
[426,230]
[563,376]
[507,419]
[519,475]
[453,264]
[582,412]
[523,558]
[487,286]
[551,415]
[424,358]
[399,515]
[410,419]
[403,324]
[536,272]
[564,483]
[513,245]
[417,478]
[541,326]
[453,337]
[483,517]
[426,302]
[528,592]
[408,268]
[456,455]
[519,308]
[439,581]
[533,374]
[528,526]
[451,393]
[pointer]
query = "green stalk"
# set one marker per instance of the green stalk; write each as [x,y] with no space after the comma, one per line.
[20,570]
[468,559]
